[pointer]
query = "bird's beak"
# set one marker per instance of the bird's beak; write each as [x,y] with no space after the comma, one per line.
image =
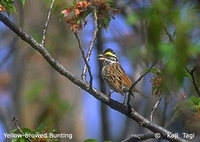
[101,57]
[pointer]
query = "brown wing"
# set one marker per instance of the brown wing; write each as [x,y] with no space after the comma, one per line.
[121,75]
[116,77]
[108,75]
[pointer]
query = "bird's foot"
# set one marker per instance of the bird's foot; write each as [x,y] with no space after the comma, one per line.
[124,101]
[109,94]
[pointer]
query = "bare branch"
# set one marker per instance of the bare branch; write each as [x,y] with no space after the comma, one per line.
[139,137]
[85,60]
[47,23]
[155,108]
[191,72]
[85,86]
[171,37]
[133,85]
[145,73]
[18,128]
[91,45]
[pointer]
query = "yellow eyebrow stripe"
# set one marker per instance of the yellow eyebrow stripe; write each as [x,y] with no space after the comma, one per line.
[110,53]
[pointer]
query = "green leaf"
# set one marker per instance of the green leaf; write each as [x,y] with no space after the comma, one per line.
[186,74]
[8,11]
[19,140]
[34,90]
[15,140]
[166,50]
[132,18]
[194,100]
[90,140]
[23,2]
[54,131]
[14,10]
[25,130]
[176,112]
[42,127]
[153,89]
[55,140]
[86,13]
[8,5]
[105,21]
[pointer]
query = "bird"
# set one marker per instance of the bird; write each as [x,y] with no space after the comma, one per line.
[114,75]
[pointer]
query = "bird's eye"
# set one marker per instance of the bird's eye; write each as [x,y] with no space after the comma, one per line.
[113,58]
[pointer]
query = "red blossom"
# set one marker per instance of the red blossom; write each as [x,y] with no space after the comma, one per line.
[77,12]
[73,15]
[116,11]
[75,27]
[2,8]
[83,4]
[183,96]
[66,12]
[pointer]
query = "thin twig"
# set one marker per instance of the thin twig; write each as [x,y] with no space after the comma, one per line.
[84,58]
[47,23]
[174,33]
[171,37]
[191,72]
[20,130]
[91,45]
[139,137]
[133,85]
[155,108]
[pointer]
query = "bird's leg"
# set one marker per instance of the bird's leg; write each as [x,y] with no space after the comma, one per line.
[109,94]
[124,101]
[125,89]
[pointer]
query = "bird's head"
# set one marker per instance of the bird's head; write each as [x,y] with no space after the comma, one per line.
[108,56]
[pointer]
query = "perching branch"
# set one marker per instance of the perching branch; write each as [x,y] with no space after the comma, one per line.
[85,86]
[85,60]
[191,72]
[47,23]
[19,129]
[139,137]
[91,45]
[155,108]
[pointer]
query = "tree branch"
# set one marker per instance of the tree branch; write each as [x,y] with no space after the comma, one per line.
[139,137]
[133,85]
[85,60]
[171,37]
[47,23]
[85,86]
[155,108]
[191,72]
[18,128]
[91,45]
[140,78]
